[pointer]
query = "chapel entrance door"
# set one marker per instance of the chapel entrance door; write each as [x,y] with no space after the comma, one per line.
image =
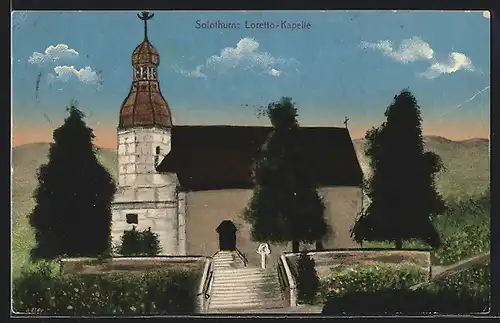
[227,235]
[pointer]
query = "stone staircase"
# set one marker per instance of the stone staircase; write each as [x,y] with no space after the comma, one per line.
[237,288]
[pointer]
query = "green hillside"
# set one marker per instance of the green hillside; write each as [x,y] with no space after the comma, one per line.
[467,173]
[467,165]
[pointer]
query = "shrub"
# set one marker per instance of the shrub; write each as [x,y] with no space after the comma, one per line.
[465,230]
[156,292]
[307,279]
[371,278]
[470,240]
[473,282]
[462,293]
[139,243]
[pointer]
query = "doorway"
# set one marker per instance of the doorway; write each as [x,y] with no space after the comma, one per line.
[227,235]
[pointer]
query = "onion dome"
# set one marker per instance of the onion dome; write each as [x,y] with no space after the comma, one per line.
[145,106]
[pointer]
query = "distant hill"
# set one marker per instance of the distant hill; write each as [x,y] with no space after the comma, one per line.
[467,165]
[467,173]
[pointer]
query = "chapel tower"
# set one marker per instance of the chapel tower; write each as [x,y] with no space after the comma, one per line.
[145,198]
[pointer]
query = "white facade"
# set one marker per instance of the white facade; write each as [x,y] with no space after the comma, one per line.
[145,196]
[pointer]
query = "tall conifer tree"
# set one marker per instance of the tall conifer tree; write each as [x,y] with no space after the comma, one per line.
[72,216]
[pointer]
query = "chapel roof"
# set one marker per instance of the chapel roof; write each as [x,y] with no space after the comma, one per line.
[221,157]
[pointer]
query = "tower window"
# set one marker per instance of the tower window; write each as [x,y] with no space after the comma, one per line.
[157,150]
[132,218]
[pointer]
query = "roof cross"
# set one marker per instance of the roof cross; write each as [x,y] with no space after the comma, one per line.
[345,121]
[145,16]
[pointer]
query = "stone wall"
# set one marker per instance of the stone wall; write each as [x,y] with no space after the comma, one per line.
[328,260]
[144,192]
[136,265]
[207,209]
[161,217]
[137,155]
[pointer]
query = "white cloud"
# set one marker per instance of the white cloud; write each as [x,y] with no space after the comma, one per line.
[191,73]
[274,72]
[415,49]
[409,50]
[246,55]
[456,62]
[486,14]
[53,54]
[85,75]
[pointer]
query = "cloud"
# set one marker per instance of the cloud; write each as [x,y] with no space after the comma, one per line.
[486,14]
[274,72]
[191,73]
[456,62]
[53,54]
[415,49]
[246,55]
[409,50]
[85,75]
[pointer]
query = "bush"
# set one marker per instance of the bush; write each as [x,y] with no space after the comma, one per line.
[307,279]
[156,292]
[139,243]
[474,282]
[463,293]
[470,240]
[465,230]
[371,278]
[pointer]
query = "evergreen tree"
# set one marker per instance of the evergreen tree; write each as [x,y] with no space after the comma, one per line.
[307,278]
[402,188]
[285,205]
[139,243]
[131,243]
[151,243]
[72,216]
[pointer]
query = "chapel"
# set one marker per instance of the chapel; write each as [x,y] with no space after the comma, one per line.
[190,184]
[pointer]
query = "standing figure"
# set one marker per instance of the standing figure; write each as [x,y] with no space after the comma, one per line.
[263,250]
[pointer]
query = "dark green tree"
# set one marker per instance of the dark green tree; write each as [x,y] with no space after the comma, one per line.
[402,188]
[139,243]
[72,216]
[150,243]
[285,205]
[307,278]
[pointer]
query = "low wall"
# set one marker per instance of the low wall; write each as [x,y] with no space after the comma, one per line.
[330,259]
[131,265]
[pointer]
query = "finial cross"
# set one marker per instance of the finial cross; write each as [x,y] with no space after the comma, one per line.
[145,16]
[345,121]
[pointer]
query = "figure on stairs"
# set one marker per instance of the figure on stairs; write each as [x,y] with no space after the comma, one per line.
[264,251]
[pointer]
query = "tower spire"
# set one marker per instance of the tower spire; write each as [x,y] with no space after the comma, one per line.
[145,16]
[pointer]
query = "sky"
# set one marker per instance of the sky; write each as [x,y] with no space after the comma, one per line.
[341,64]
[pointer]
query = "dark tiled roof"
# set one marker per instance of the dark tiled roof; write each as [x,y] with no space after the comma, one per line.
[221,157]
[145,106]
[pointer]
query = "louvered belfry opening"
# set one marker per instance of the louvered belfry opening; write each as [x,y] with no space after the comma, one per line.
[145,106]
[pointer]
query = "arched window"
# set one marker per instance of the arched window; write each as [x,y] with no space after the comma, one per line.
[157,150]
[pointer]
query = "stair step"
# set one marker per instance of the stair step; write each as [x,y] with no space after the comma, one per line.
[246,296]
[260,304]
[241,281]
[245,271]
[249,287]
[239,302]
[236,274]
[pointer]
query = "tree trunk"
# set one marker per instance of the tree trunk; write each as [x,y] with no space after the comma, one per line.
[295,246]
[399,244]
[319,246]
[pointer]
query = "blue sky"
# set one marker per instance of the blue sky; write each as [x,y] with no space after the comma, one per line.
[346,64]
